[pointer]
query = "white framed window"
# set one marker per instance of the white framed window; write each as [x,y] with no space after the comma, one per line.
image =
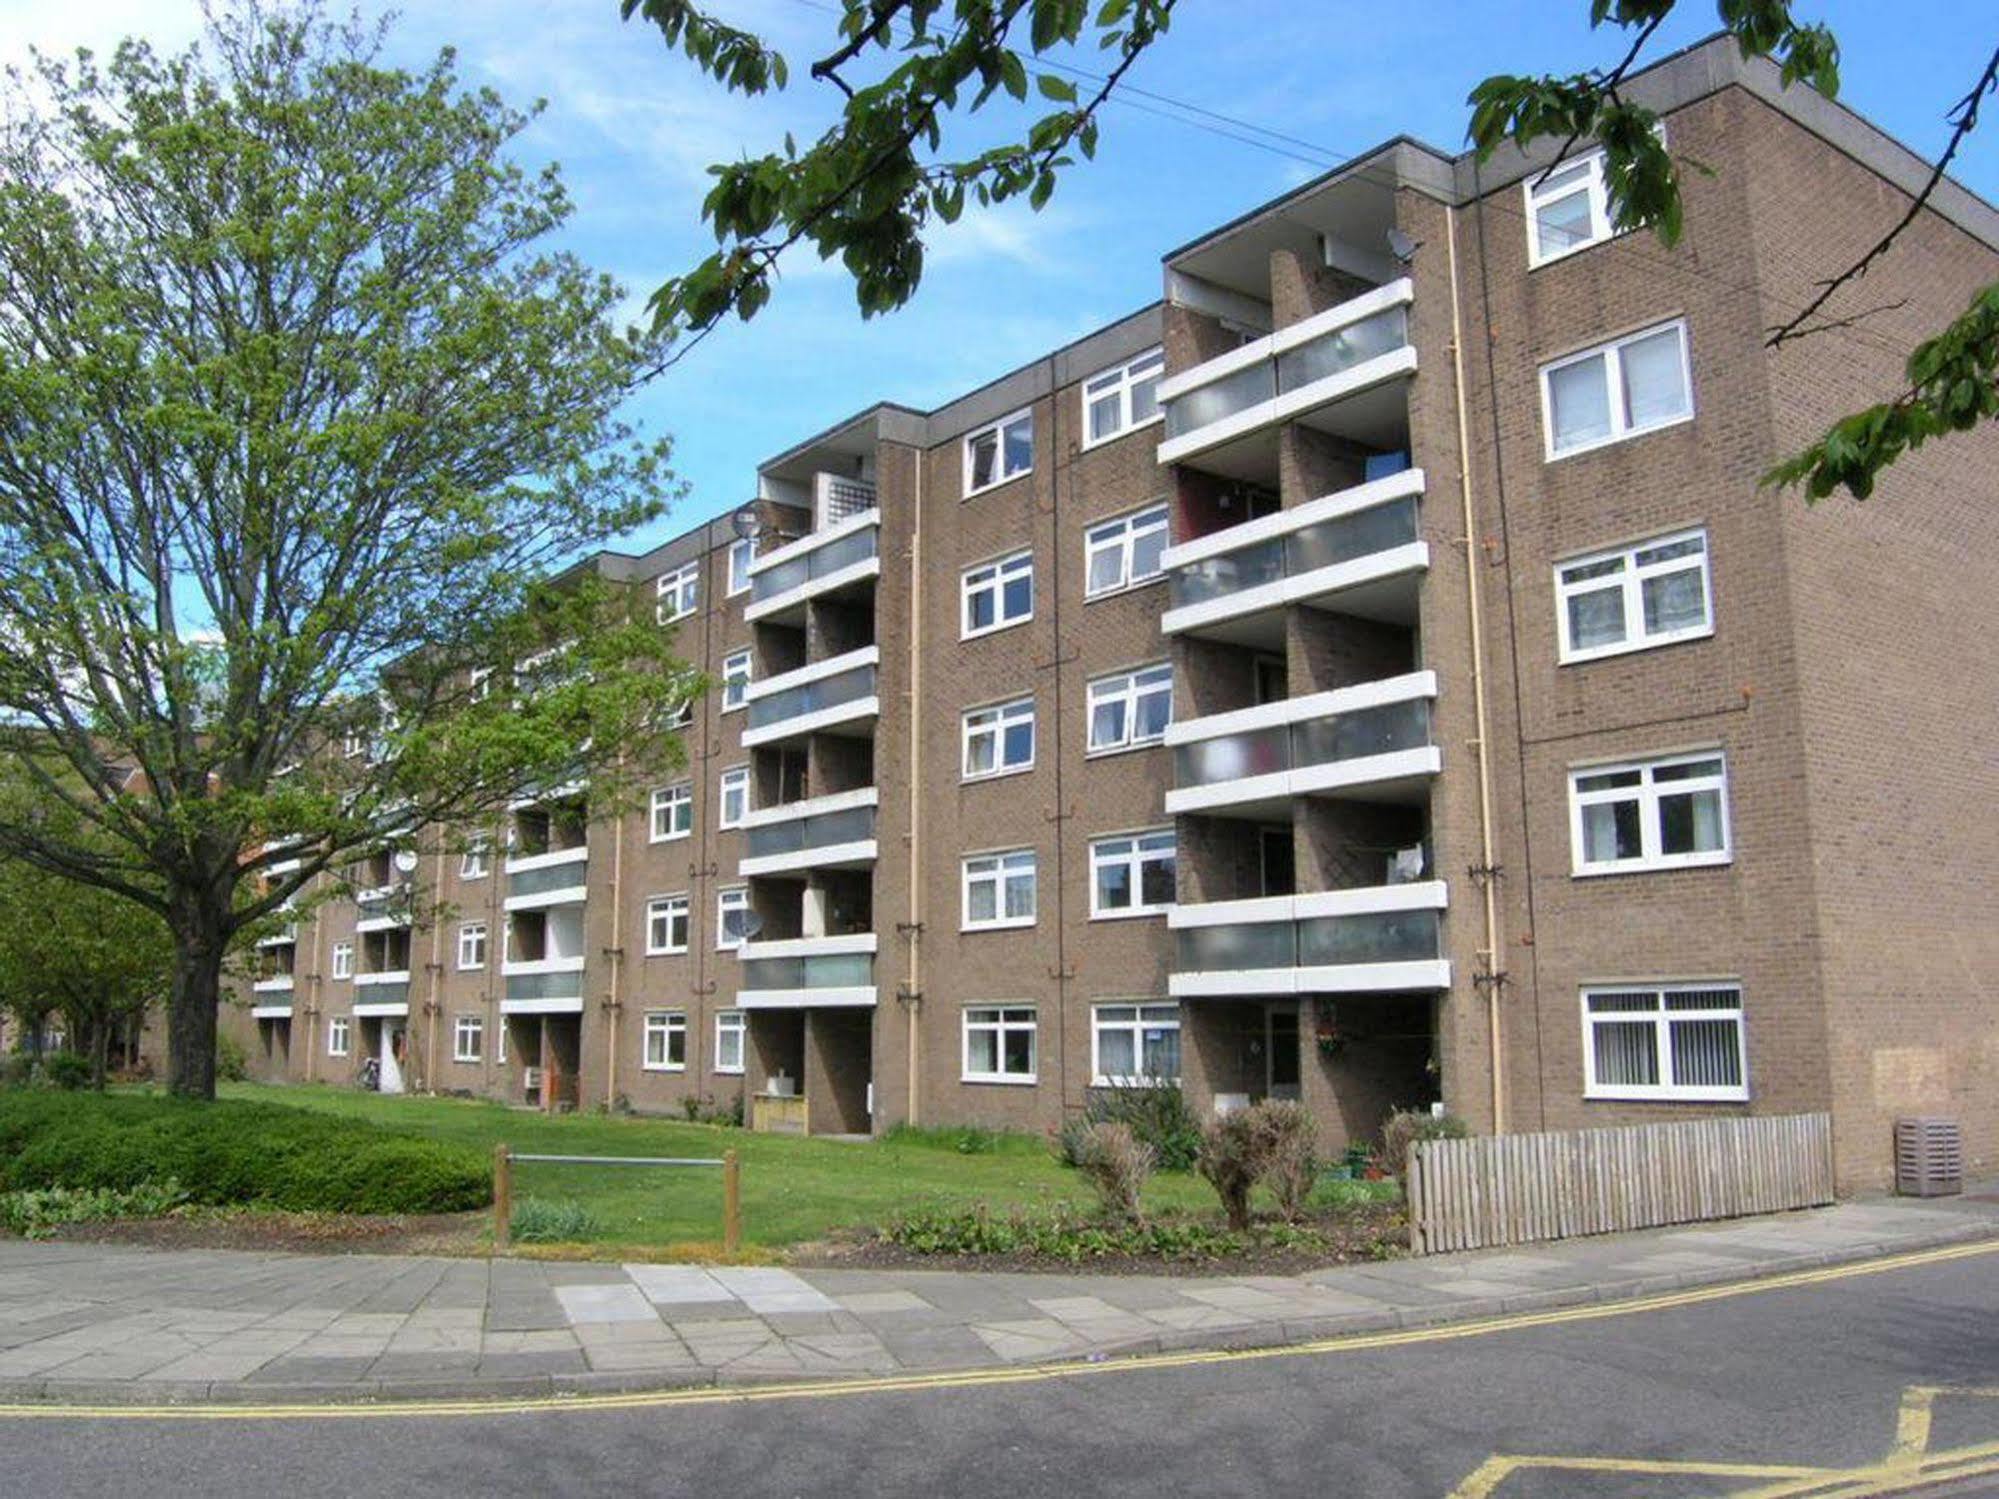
[999,1044]
[468,1038]
[997,594]
[735,796]
[1651,814]
[729,1030]
[1634,385]
[1568,209]
[343,960]
[732,910]
[666,925]
[477,860]
[1120,399]
[354,744]
[1124,552]
[1000,890]
[672,812]
[1665,1041]
[339,1036]
[1131,874]
[742,552]
[479,681]
[666,1041]
[1653,593]
[472,945]
[1002,451]
[737,668]
[1133,1044]
[999,740]
[679,593]
[1131,708]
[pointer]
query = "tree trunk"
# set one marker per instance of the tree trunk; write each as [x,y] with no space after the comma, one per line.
[100,1054]
[197,991]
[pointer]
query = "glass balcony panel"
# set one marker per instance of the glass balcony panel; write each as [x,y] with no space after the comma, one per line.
[545,985]
[825,971]
[1230,573]
[1221,398]
[1341,350]
[542,881]
[854,825]
[383,994]
[1377,937]
[1370,731]
[812,697]
[818,563]
[1263,944]
[1231,757]
[1347,537]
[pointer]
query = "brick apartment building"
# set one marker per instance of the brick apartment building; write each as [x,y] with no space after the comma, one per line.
[1371,674]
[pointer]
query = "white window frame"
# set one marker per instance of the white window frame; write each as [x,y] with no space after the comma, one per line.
[1134,851]
[479,683]
[1647,794]
[1000,1021]
[1120,533]
[1119,381]
[1158,1011]
[1613,373]
[339,1036]
[733,898]
[664,908]
[995,869]
[1666,1089]
[678,593]
[669,799]
[665,1026]
[477,860]
[1539,194]
[343,960]
[991,577]
[468,1038]
[742,552]
[1631,580]
[998,431]
[738,671]
[732,1023]
[992,722]
[471,935]
[1125,685]
[735,782]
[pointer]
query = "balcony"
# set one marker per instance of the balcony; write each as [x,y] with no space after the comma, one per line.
[1380,939]
[826,832]
[383,909]
[542,986]
[551,879]
[1341,371]
[382,994]
[1356,552]
[284,936]
[843,558]
[837,695]
[276,1010]
[1366,743]
[805,972]
[276,983]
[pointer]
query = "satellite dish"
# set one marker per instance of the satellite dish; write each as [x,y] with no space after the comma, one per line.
[406,860]
[747,522]
[752,924]
[1401,246]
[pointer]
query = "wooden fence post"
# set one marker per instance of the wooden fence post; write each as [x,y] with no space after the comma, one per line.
[732,1204]
[503,1196]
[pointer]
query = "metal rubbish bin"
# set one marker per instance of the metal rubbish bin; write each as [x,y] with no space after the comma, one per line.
[1929,1157]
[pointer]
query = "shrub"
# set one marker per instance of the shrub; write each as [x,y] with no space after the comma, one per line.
[67,1071]
[1234,1153]
[1159,1117]
[231,1065]
[1291,1147]
[1116,1163]
[34,1214]
[1405,1127]
[1073,1239]
[537,1220]
[16,1070]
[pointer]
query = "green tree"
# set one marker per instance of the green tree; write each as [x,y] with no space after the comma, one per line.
[298,408]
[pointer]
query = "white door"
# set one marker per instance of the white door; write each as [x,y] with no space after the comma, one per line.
[392,1070]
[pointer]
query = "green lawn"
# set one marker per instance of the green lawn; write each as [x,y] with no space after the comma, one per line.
[793,1189]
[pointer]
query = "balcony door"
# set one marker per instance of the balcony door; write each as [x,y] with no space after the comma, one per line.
[1281,1053]
[1278,861]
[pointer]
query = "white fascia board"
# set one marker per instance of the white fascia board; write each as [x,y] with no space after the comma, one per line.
[1406,687]
[1367,304]
[270,1012]
[397,976]
[1341,502]
[527,863]
[384,923]
[811,541]
[568,895]
[1256,910]
[1410,557]
[832,666]
[859,852]
[837,801]
[859,997]
[1418,895]
[809,947]
[1396,364]
[541,965]
[1344,978]
[812,723]
[282,983]
[560,1005]
[777,603]
[1221,983]
[382,1010]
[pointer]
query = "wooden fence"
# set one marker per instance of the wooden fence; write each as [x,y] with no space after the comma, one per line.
[1516,1189]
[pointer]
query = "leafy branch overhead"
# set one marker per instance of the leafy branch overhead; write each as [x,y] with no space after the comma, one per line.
[871,186]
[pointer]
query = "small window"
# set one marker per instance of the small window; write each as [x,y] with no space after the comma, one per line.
[1568,209]
[998,594]
[1000,890]
[1669,1042]
[472,945]
[1651,594]
[339,1036]
[480,683]
[736,670]
[666,1041]
[735,796]
[995,454]
[666,925]
[343,960]
[1134,1045]
[1130,709]
[729,1041]
[1122,398]
[672,812]
[468,1039]
[1618,390]
[742,552]
[1131,875]
[732,911]
[679,593]
[354,744]
[1659,814]
[477,861]
[999,1044]
[1125,552]
[999,740]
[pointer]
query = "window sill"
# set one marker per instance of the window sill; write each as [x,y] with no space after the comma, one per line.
[996,1079]
[662,1067]
[1107,751]
[1124,588]
[997,926]
[1653,866]
[467,1061]
[996,775]
[1675,1095]
[1100,1081]
[728,1072]
[670,837]
[985,630]
[1610,442]
[1632,648]
[666,952]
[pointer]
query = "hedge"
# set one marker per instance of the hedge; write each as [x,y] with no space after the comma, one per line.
[232,1153]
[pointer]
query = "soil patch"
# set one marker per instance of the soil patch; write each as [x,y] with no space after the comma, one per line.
[298,1233]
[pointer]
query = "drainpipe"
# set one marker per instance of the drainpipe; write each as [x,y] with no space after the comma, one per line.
[616,953]
[913,930]
[313,980]
[436,975]
[1489,955]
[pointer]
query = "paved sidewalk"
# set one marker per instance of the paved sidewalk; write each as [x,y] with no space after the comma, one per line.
[87,1322]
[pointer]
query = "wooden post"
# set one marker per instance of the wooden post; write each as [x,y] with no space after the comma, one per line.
[503,1196]
[732,1204]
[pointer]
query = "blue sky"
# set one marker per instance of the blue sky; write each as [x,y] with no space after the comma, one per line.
[635,128]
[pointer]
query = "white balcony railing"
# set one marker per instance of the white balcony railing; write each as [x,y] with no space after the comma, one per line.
[276,983]
[839,691]
[823,832]
[542,986]
[834,559]
[1379,939]
[806,972]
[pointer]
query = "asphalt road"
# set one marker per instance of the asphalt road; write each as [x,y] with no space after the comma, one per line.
[1762,1391]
